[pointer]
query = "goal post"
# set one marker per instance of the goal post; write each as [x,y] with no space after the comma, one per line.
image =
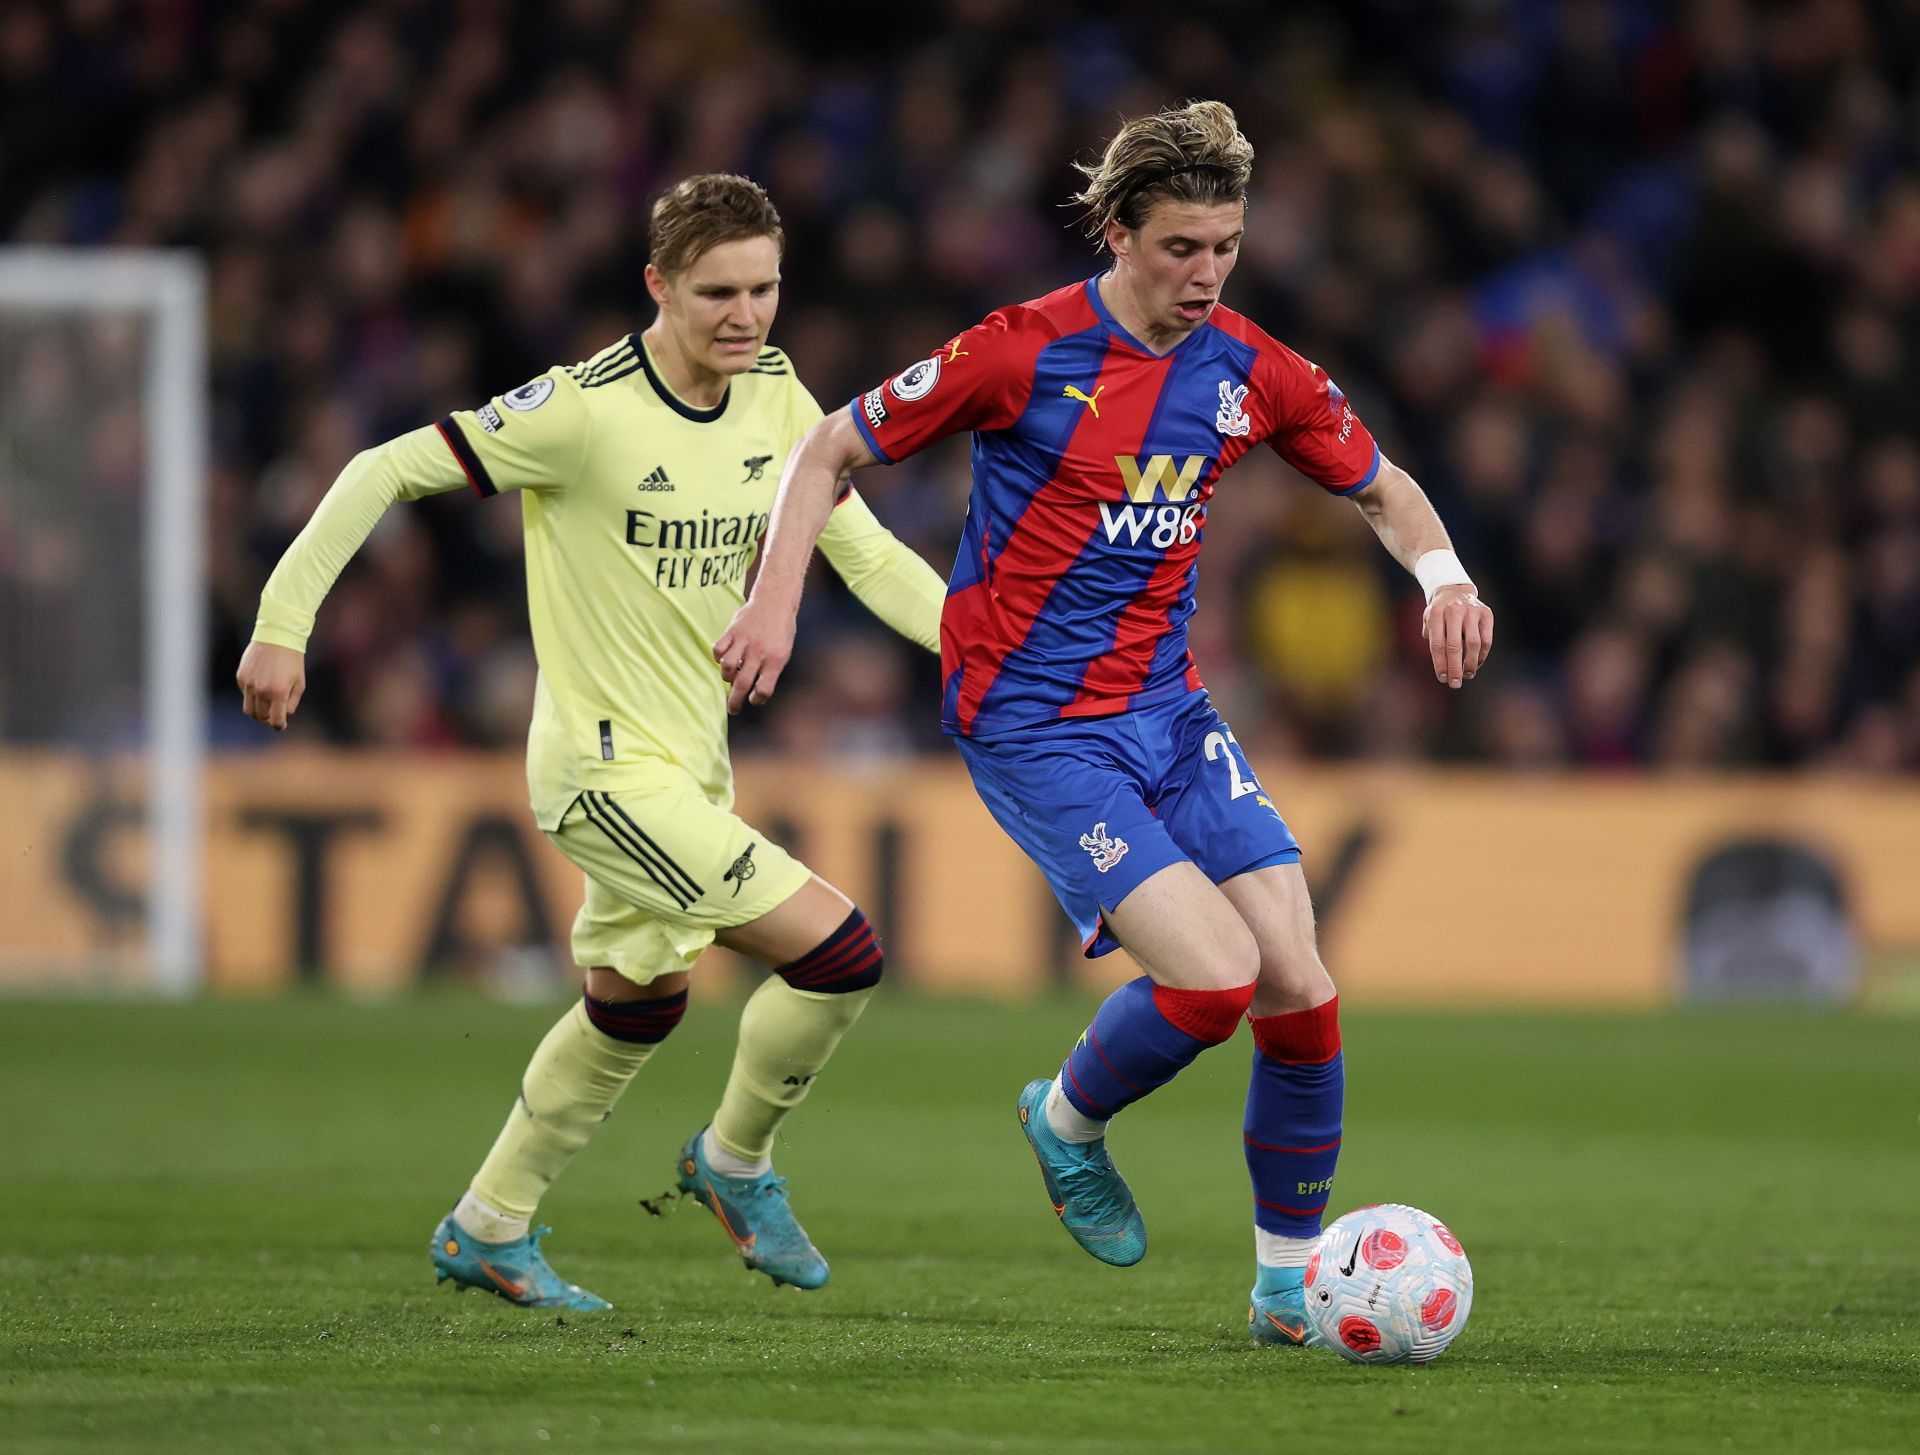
[165,292]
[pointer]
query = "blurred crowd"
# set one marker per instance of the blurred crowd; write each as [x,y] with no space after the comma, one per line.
[1631,288]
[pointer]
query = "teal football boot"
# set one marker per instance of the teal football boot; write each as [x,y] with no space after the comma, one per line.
[1279,1312]
[755,1214]
[517,1271]
[1088,1194]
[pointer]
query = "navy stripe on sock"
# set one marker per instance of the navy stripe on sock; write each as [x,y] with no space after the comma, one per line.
[854,951]
[639,1022]
[848,959]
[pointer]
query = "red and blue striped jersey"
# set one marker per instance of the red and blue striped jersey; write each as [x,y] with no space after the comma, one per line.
[1093,461]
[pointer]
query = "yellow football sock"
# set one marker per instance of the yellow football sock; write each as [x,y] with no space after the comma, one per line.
[786,1036]
[571,1084]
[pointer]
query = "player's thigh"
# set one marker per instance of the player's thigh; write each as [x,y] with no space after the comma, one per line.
[1066,798]
[794,927]
[1214,805]
[603,982]
[667,871]
[1217,809]
[1274,904]
[1061,793]
[1184,931]
[626,950]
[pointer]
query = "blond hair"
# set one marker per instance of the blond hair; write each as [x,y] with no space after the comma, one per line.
[1192,153]
[704,211]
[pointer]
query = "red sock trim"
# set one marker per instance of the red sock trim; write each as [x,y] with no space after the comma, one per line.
[1206,1015]
[1297,1151]
[1300,1037]
[1292,1212]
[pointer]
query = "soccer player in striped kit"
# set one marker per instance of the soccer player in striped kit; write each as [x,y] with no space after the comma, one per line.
[1103,416]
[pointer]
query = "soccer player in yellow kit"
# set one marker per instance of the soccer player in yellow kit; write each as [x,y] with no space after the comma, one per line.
[646,477]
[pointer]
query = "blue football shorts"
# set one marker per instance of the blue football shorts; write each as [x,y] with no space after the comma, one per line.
[1103,803]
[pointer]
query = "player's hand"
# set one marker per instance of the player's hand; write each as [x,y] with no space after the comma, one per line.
[754,650]
[272,680]
[1458,627]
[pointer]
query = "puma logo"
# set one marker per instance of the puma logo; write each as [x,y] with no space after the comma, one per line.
[1092,401]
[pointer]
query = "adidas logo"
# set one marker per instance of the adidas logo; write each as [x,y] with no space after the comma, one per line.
[657,480]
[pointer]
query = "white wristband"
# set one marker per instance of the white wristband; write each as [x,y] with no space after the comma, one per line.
[1435,569]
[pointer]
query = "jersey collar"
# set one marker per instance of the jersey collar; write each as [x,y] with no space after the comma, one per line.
[1113,324]
[673,401]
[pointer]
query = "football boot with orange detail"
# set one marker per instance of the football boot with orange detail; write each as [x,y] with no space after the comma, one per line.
[754,1212]
[1279,1312]
[1088,1194]
[517,1271]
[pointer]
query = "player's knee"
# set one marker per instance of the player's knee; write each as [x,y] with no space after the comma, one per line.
[1209,1016]
[1231,960]
[1304,1036]
[1290,983]
[638,1022]
[848,959]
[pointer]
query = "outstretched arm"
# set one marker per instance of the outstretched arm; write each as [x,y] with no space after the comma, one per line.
[1458,625]
[273,672]
[531,439]
[758,642]
[888,576]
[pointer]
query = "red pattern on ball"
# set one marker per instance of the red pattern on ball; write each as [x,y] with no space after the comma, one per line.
[1313,1265]
[1359,1335]
[1383,1249]
[1438,1311]
[1445,1234]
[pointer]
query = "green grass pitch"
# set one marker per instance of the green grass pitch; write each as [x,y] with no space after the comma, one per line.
[1690,1232]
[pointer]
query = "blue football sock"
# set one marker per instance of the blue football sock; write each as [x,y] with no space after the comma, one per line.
[1142,1036]
[1294,1104]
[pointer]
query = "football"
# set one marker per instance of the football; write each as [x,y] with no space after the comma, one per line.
[1388,1284]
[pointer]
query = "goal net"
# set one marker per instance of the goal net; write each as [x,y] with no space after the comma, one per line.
[103,440]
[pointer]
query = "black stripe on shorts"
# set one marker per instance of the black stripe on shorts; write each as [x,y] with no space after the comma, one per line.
[661,870]
[686,880]
[657,872]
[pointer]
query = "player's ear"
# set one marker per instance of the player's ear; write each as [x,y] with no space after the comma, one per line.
[1119,239]
[656,285]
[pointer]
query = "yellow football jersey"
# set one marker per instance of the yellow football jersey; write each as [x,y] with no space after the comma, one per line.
[642,516]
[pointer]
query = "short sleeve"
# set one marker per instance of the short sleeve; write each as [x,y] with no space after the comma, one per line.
[530,438]
[978,381]
[1317,431]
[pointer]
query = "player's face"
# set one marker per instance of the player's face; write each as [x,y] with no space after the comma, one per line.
[1176,262]
[721,306]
